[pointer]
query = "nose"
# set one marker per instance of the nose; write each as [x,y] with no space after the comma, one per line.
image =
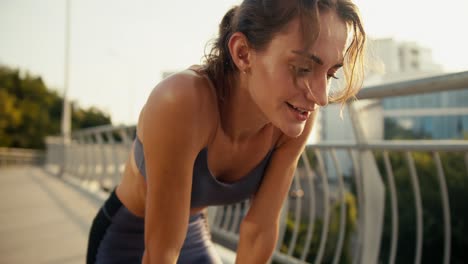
[316,90]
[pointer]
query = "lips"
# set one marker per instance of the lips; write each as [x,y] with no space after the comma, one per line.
[299,113]
[301,110]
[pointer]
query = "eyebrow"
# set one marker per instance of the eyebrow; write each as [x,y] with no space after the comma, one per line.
[315,58]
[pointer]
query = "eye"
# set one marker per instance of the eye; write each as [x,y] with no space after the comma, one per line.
[332,76]
[301,71]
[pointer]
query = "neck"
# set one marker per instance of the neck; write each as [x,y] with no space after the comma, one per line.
[241,119]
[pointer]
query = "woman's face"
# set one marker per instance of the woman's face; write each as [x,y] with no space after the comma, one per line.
[287,82]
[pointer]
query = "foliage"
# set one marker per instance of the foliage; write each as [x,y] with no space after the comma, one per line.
[433,221]
[83,118]
[395,131]
[332,233]
[29,111]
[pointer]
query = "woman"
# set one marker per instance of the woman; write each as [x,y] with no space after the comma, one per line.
[231,129]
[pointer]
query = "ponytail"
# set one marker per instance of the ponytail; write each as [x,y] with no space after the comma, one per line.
[219,63]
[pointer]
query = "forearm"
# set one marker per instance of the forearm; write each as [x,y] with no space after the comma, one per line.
[165,258]
[164,247]
[256,245]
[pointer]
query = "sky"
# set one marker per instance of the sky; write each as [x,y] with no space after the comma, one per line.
[119,48]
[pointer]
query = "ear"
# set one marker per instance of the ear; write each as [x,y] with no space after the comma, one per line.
[240,51]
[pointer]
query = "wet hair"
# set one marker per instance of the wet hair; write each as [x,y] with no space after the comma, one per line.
[260,20]
[355,56]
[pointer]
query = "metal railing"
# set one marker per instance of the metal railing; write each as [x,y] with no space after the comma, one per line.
[347,199]
[18,156]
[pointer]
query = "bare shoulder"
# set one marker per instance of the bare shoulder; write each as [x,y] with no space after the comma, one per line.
[184,99]
[176,123]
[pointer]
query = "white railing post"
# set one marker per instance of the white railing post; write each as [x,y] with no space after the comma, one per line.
[374,196]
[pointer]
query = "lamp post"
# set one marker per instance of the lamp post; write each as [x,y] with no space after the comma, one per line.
[66,111]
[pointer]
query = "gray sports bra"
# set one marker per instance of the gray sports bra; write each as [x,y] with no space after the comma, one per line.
[206,189]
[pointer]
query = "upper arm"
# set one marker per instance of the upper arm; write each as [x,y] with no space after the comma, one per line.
[266,204]
[173,134]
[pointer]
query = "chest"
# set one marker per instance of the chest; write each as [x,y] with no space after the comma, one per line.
[229,162]
[210,190]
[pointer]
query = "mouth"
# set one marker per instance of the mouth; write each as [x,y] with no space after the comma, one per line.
[301,113]
[298,109]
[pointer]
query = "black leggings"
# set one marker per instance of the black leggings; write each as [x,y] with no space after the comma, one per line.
[117,236]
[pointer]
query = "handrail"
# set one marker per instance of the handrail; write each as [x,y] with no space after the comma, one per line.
[447,82]
[400,145]
[19,156]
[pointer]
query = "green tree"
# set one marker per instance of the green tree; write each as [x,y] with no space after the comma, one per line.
[84,118]
[395,131]
[433,225]
[332,234]
[29,111]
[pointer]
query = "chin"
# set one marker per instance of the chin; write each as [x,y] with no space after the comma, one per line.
[292,131]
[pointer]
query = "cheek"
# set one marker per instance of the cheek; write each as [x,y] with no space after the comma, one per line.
[277,74]
[272,83]
[283,83]
[269,68]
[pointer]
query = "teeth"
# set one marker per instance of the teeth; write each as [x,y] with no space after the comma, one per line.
[301,110]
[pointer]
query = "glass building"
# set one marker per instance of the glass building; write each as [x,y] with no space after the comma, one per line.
[437,115]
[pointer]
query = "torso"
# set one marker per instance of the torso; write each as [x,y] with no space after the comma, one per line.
[226,162]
